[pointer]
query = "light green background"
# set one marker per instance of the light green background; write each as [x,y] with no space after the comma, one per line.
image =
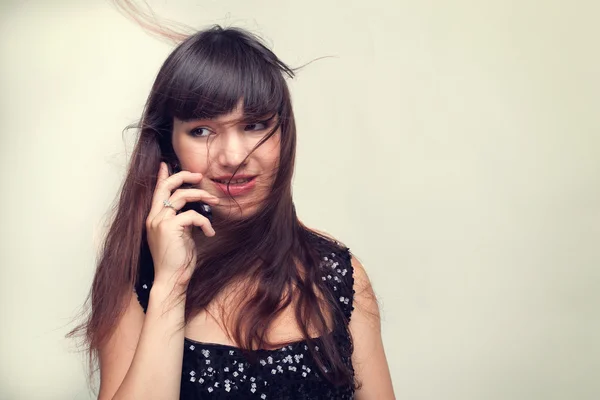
[452,145]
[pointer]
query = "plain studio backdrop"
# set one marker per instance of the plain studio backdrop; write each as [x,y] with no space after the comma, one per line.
[453,146]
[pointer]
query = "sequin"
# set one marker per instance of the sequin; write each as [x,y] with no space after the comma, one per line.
[219,371]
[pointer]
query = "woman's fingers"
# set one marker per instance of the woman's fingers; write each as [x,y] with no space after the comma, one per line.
[183,196]
[169,234]
[193,218]
[166,184]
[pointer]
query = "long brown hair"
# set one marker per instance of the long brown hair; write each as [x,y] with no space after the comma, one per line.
[204,77]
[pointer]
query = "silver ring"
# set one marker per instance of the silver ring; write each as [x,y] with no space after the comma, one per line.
[167,203]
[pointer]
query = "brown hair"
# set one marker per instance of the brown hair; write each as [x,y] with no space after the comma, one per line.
[204,77]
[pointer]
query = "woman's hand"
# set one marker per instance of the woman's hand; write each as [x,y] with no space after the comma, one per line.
[169,234]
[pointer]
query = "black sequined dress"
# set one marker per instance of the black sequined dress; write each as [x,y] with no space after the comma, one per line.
[217,371]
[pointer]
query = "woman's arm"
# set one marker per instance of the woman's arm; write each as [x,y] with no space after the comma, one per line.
[143,358]
[368,359]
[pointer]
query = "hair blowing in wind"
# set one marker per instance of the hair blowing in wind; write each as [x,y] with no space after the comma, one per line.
[270,256]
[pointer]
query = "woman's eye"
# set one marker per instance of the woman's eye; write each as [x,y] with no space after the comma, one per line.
[200,132]
[257,126]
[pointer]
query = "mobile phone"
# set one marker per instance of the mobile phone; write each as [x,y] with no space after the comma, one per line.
[198,206]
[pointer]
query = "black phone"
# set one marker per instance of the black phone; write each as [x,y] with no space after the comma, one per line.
[198,206]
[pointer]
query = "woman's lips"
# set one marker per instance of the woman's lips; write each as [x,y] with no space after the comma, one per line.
[236,189]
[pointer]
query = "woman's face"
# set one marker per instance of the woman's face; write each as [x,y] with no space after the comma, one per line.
[217,147]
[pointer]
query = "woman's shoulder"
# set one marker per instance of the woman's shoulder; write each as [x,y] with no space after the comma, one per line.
[327,240]
[344,272]
[337,270]
[324,240]
[331,250]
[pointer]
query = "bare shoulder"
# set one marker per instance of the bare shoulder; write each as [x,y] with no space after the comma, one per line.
[368,357]
[366,306]
[361,278]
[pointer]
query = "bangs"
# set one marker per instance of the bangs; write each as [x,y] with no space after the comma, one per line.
[219,68]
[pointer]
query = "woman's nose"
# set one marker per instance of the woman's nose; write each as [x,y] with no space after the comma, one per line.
[231,150]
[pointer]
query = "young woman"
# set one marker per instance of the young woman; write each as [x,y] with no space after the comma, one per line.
[247,302]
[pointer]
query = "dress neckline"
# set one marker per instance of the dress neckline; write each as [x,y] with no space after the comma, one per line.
[231,347]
